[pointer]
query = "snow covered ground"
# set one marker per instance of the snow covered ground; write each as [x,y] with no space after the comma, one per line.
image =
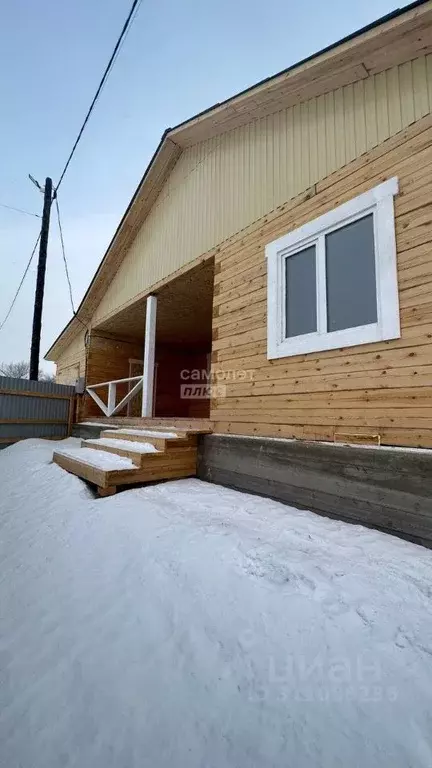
[189,626]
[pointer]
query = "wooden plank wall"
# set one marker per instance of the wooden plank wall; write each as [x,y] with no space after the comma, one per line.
[108,359]
[380,388]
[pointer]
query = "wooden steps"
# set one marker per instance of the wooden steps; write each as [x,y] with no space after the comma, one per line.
[130,455]
[191,425]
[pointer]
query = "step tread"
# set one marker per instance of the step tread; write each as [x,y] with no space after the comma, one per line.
[96,424]
[149,433]
[132,446]
[99,459]
[107,469]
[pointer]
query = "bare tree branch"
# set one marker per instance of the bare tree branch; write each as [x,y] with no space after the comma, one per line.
[21,369]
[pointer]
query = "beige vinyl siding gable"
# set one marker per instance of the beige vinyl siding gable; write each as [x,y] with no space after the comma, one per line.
[73,361]
[222,185]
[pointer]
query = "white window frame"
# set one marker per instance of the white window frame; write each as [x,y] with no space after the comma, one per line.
[379,202]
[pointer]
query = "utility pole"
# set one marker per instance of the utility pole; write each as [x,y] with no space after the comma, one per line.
[40,282]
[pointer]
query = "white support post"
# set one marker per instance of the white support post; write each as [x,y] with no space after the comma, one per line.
[149,357]
[112,387]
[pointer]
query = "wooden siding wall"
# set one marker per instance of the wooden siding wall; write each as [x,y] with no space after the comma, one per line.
[383,388]
[222,185]
[73,362]
[108,359]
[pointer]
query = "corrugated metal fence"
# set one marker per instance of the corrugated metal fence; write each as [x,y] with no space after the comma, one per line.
[34,409]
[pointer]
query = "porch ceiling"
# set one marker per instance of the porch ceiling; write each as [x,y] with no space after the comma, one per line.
[184,311]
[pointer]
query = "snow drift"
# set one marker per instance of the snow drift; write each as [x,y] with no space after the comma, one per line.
[184,624]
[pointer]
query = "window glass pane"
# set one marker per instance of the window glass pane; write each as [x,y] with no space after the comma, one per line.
[351,283]
[300,296]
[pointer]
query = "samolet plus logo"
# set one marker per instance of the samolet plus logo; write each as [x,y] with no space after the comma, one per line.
[198,383]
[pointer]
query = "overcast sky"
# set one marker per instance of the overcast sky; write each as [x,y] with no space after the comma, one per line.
[180,57]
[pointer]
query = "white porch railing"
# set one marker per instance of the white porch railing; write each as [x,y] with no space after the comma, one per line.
[111,408]
[146,382]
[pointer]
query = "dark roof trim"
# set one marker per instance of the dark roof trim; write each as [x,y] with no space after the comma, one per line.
[388,17]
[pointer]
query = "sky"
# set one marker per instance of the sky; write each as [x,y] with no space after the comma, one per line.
[178,59]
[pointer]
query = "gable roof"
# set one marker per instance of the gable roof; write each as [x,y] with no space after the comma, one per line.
[397,37]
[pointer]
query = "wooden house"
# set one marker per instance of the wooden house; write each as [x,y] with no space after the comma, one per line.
[272,275]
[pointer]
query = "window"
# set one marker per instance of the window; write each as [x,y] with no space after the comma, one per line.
[333,282]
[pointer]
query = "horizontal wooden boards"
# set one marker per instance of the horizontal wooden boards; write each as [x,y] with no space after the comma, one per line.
[85,471]
[384,387]
[417,437]
[176,424]
[175,457]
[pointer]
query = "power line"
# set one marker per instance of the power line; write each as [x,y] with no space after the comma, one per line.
[158,204]
[21,282]
[132,19]
[19,210]
[64,255]
[126,25]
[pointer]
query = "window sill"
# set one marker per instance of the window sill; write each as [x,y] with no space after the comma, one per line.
[315,342]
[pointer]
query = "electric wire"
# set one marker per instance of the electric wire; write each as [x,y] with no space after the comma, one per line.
[130,17]
[64,255]
[19,210]
[21,283]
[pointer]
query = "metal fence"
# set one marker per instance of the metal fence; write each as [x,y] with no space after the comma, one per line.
[34,409]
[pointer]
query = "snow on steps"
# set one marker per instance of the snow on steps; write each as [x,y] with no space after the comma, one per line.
[98,459]
[131,449]
[158,439]
[148,432]
[125,456]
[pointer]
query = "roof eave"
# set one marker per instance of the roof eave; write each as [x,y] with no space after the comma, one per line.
[174,138]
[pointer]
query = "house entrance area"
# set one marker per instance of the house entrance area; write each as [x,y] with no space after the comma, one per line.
[154,356]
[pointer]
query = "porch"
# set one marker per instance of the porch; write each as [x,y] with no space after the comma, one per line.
[151,360]
[147,395]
